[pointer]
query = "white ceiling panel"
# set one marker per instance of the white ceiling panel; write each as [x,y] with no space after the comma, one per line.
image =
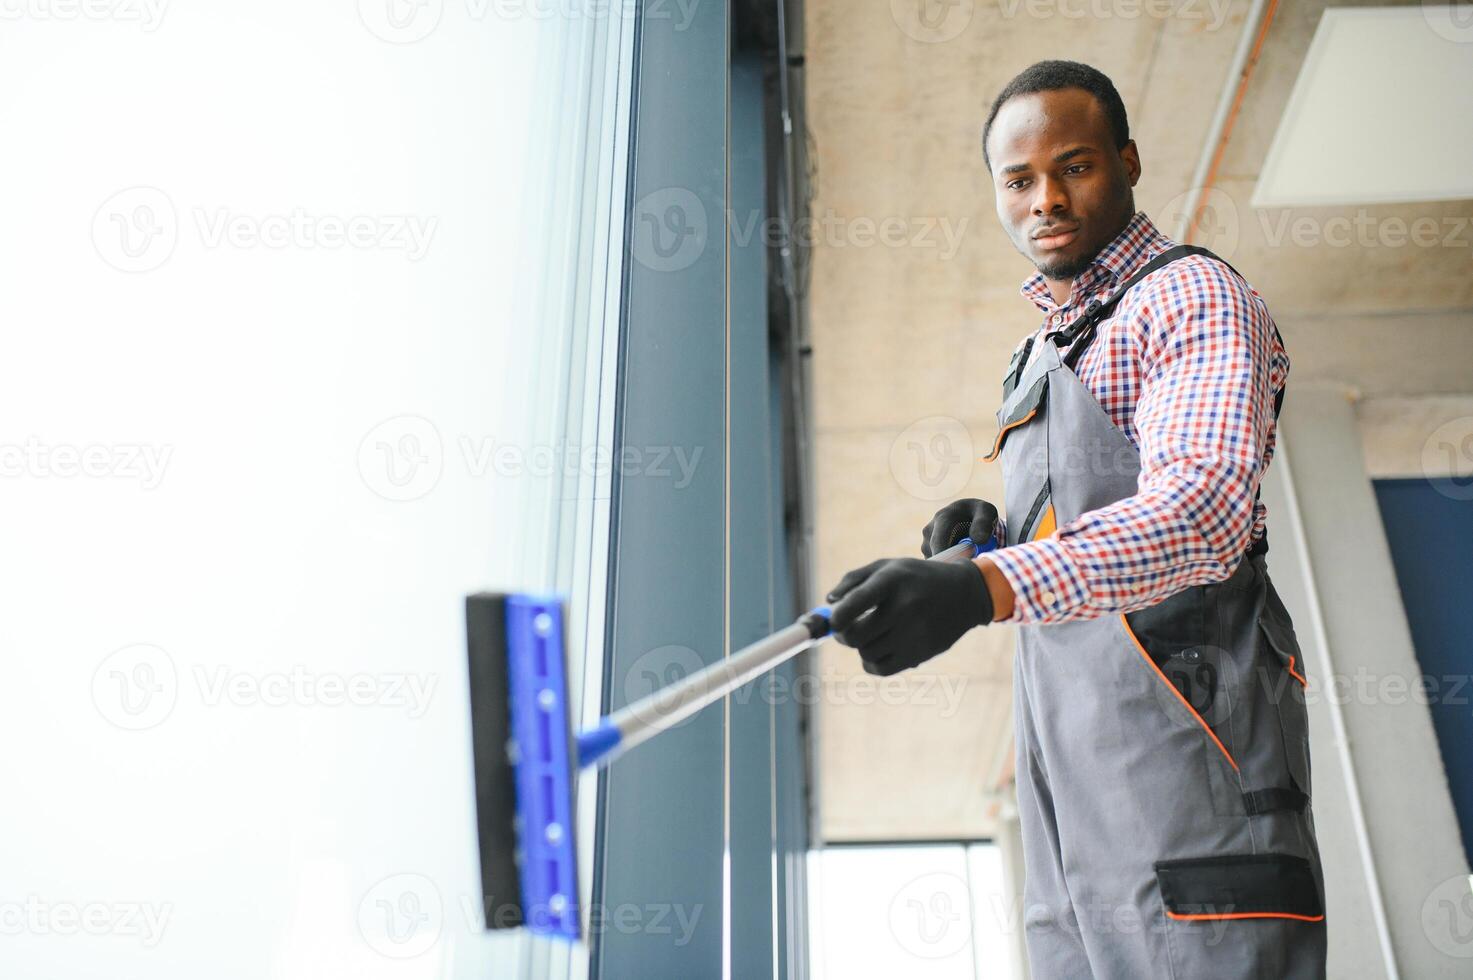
[1382,112]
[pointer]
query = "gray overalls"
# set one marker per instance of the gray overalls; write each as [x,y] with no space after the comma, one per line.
[1162,756]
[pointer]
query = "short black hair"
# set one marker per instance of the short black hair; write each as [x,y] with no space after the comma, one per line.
[1050,76]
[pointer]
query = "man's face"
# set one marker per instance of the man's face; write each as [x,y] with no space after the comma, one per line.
[1063,189]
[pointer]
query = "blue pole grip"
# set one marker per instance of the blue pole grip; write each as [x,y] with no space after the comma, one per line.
[597,742]
[989,545]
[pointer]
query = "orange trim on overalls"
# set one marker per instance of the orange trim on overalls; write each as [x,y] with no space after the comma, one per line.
[1046,524]
[1172,688]
[997,446]
[1296,675]
[1244,915]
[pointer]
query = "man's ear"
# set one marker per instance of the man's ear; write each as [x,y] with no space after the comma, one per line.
[1132,159]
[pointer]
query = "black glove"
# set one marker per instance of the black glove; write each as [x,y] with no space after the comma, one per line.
[917,609]
[970,518]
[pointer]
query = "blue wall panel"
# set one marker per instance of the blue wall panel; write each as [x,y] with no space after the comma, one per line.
[1429,525]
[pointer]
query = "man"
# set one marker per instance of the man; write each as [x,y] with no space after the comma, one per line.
[1162,751]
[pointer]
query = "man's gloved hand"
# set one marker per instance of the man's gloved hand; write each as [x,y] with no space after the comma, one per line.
[969,518]
[917,609]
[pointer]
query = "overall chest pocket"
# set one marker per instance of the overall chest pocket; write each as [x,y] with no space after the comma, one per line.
[1018,412]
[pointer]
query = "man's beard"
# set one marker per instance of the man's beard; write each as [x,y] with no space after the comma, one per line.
[1069,269]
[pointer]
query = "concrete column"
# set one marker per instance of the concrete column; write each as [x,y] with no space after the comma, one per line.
[1385,821]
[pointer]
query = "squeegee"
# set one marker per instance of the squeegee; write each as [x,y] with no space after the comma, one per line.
[527,757]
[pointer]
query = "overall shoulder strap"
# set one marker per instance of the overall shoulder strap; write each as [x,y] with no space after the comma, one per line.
[1078,335]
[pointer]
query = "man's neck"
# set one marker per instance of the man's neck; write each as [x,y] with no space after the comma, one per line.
[1060,289]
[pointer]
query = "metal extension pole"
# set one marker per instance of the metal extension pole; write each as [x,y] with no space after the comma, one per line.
[670,705]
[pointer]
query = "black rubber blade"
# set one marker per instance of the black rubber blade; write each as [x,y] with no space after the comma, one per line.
[496,785]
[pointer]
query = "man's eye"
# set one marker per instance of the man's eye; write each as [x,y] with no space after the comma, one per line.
[1016,185]
[1078,168]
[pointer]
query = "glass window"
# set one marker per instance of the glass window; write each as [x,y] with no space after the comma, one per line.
[928,911]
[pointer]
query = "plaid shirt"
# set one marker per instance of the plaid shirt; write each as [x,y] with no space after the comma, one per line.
[1187,367]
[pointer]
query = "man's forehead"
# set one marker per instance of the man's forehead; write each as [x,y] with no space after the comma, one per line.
[1039,120]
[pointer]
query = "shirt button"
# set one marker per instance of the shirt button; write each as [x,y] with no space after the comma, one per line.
[1048,598]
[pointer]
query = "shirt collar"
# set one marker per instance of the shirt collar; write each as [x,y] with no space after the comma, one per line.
[1128,251]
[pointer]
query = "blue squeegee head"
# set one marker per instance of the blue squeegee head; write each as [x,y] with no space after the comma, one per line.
[540,729]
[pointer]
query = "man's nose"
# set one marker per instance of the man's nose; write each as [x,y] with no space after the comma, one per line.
[1050,198]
